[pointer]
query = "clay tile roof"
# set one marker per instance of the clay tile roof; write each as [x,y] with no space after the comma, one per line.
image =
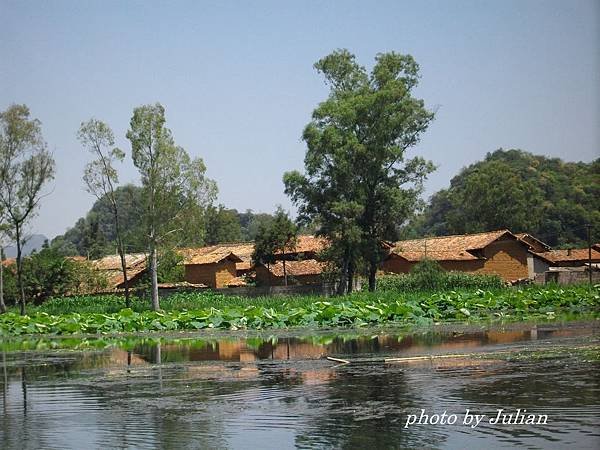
[573,255]
[447,248]
[297,268]
[306,243]
[207,255]
[8,262]
[113,262]
[76,258]
[181,284]
[111,267]
[532,242]
[245,265]
[242,250]
[237,282]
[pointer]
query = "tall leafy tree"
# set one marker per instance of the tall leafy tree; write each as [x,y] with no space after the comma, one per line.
[101,178]
[222,225]
[358,184]
[276,238]
[25,168]
[176,189]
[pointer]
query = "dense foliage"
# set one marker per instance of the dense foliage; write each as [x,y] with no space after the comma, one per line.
[26,166]
[278,236]
[546,197]
[48,274]
[95,236]
[358,183]
[359,309]
[429,276]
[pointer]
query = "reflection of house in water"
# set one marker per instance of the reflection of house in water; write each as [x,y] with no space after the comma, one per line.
[295,349]
[507,337]
[322,376]
[120,357]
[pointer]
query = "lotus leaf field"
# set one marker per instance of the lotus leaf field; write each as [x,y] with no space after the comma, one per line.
[357,310]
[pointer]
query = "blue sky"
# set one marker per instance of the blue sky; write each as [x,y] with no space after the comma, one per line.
[237,81]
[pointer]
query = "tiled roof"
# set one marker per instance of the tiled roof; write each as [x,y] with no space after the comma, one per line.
[245,265]
[447,248]
[237,282]
[243,251]
[307,243]
[113,262]
[532,241]
[76,258]
[9,262]
[297,268]
[182,284]
[111,267]
[573,255]
[208,255]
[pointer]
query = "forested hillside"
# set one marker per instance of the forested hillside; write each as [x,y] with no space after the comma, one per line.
[514,189]
[95,235]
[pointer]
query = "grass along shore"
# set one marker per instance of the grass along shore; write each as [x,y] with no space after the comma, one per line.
[106,314]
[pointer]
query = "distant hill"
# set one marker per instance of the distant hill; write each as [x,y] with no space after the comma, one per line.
[547,197]
[35,242]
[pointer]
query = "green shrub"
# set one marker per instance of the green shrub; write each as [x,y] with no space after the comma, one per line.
[429,276]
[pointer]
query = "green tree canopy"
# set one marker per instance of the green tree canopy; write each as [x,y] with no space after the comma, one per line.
[176,191]
[546,197]
[95,234]
[26,166]
[358,184]
[222,225]
[101,178]
[277,237]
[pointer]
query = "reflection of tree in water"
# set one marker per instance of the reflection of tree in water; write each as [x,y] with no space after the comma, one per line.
[124,408]
[365,407]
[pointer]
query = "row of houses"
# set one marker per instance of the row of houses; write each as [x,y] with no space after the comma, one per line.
[513,257]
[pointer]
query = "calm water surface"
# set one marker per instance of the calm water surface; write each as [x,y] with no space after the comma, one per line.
[260,391]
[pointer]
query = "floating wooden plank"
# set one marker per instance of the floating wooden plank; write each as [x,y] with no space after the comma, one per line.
[343,361]
[420,358]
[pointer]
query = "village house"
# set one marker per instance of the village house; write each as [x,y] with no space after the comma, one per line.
[576,257]
[9,262]
[110,267]
[213,266]
[534,243]
[298,272]
[496,252]
[306,247]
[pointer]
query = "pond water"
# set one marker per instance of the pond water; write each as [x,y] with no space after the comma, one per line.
[259,391]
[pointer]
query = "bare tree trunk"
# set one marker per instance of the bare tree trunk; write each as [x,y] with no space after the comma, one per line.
[284,272]
[125,280]
[343,282]
[121,249]
[2,304]
[351,271]
[20,269]
[4,384]
[270,277]
[372,276]
[154,276]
